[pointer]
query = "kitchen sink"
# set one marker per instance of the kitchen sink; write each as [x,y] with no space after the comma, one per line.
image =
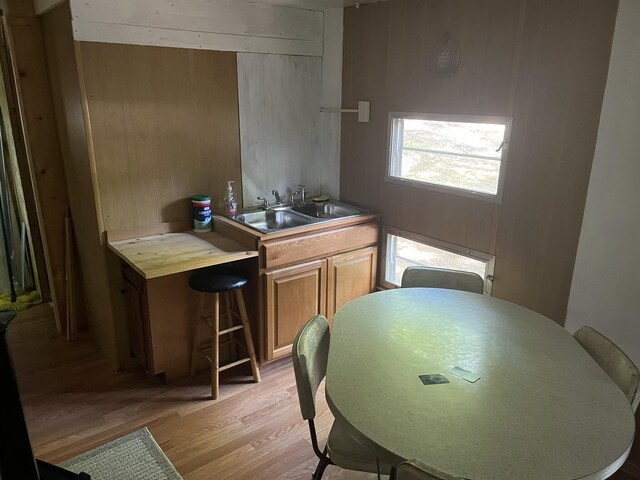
[283,217]
[272,220]
[327,210]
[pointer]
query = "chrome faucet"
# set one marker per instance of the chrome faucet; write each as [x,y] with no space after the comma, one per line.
[265,202]
[302,191]
[278,197]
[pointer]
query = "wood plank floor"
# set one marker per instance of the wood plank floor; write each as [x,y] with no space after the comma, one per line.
[74,401]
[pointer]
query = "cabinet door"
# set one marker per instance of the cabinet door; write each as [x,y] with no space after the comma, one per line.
[294,295]
[351,275]
[134,300]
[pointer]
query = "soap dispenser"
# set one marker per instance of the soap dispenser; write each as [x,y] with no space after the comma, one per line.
[230,203]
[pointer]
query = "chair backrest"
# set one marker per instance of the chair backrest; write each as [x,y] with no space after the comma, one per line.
[310,354]
[614,361]
[416,470]
[442,278]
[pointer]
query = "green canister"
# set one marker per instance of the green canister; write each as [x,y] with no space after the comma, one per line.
[201,205]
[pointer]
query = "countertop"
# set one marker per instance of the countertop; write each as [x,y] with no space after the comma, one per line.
[165,254]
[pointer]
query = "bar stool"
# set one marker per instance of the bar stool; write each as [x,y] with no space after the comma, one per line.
[218,281]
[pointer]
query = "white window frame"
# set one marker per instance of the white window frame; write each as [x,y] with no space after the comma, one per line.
[432,242]
[395,137]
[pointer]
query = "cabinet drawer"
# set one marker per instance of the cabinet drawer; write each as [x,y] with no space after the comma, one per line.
[289,251]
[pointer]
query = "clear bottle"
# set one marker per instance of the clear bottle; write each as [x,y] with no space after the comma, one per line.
[230,203]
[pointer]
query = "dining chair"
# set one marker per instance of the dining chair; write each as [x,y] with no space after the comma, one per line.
[432,277]
[612,360]
[310,355]
[416,470]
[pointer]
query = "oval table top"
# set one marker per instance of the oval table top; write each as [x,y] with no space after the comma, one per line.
[541,410]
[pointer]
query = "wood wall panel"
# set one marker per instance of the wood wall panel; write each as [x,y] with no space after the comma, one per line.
[363,144]
[280,125]
[67,98]
[165,127]
[227,25]
[542,62]
[18,8]
[405,33]
[453,219]
[31,79]
[43,6]
[556,117]
[20,174]
[216,16]
[142,130]
[487,33]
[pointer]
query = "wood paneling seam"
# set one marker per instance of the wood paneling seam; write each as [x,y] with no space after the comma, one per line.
[89,134]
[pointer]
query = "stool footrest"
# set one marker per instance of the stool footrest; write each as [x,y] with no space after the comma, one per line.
[231,329]
[206,317]
[228,365]
[235,309]
[206,346]
[234,364]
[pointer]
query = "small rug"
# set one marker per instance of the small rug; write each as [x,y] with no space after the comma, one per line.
[136,456]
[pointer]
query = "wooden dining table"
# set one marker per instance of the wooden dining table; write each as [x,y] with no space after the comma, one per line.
[523,400]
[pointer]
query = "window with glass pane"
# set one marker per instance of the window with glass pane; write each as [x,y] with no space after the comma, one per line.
[456,153]
[402,252]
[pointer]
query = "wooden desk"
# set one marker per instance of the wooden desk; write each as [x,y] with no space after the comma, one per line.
[169,253]
[542,409]
[161,306]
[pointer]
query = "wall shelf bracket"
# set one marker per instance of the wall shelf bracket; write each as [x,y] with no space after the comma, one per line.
[363,110]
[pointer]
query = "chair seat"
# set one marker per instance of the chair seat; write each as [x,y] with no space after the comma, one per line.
[213,281]
[347,451]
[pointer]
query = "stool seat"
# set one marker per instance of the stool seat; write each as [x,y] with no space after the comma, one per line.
[210,281]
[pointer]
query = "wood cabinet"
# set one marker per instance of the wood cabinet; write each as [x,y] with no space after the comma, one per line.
[161,315]
[161,306]
[307,271]
[349,276]
[293,295]
[294,275]
[133,291]
[296,293]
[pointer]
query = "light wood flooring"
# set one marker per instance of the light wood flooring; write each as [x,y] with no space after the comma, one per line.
[74,401]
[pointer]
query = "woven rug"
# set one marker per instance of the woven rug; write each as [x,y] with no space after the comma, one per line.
[136,456]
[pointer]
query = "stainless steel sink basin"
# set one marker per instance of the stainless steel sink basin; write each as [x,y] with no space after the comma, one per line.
[283,217]
[272,220]
[327,210]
